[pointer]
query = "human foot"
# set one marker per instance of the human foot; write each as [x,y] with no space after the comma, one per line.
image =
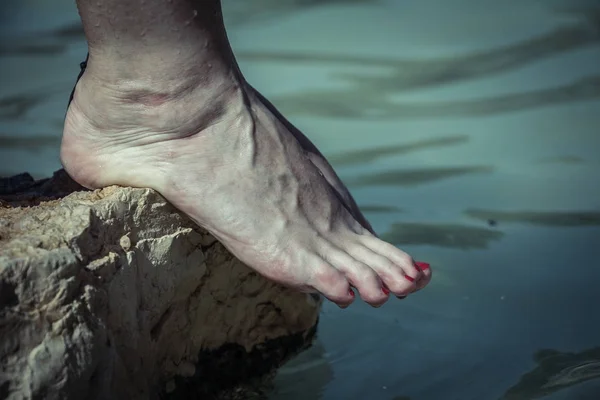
[223,158]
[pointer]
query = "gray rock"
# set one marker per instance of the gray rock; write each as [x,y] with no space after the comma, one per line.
[113,294]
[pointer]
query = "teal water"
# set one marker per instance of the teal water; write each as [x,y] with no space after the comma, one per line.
[469,131]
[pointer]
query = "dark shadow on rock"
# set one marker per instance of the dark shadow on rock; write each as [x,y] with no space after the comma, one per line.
[548,218]
[24,191]
[414,177]
[556,371]
[455,236]
[232,373]
[374,153]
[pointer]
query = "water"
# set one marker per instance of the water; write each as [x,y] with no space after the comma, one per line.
[468,130]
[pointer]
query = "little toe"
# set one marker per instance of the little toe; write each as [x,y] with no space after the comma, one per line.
[331,283]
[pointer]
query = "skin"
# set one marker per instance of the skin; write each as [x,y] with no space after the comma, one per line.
[163,104]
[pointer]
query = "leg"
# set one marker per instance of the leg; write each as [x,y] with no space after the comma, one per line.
[162,104]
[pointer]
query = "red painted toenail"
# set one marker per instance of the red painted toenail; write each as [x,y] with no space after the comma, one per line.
[351,292]
[422,265]
[385,290]
[410,278]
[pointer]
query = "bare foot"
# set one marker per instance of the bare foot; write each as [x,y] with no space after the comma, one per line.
[221,154]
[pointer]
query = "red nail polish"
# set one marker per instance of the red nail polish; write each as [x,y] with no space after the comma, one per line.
[351,292]
[422,265]
[385,290]
[410,278]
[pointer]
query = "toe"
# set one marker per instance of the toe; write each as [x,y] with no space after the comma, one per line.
[331,283]
[393,253]
[360,275]
[393,276]
[425,274]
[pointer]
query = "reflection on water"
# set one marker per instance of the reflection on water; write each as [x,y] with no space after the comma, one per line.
[373,208]
[413,177]
[372,154]
[30,144]
[556,371]
[456,236]
[563,160]
[17,106]
[304,377]
[369,97]
[356,105]
[557,218]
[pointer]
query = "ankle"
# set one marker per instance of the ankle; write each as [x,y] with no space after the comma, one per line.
[155,95]
[161,67]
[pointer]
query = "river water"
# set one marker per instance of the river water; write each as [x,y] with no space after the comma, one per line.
[469,132]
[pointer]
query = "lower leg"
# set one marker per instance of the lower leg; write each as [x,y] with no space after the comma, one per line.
[155,39]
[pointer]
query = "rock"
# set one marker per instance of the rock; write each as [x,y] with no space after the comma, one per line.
[113,293]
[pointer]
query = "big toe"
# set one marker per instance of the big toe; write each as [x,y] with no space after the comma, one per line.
[400,273]
[426,274]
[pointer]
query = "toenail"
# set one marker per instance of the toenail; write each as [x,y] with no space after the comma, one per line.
[385,290]
[422,265]
[410,278]
[351,292]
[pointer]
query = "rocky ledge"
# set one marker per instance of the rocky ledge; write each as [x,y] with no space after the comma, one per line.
[113,293]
